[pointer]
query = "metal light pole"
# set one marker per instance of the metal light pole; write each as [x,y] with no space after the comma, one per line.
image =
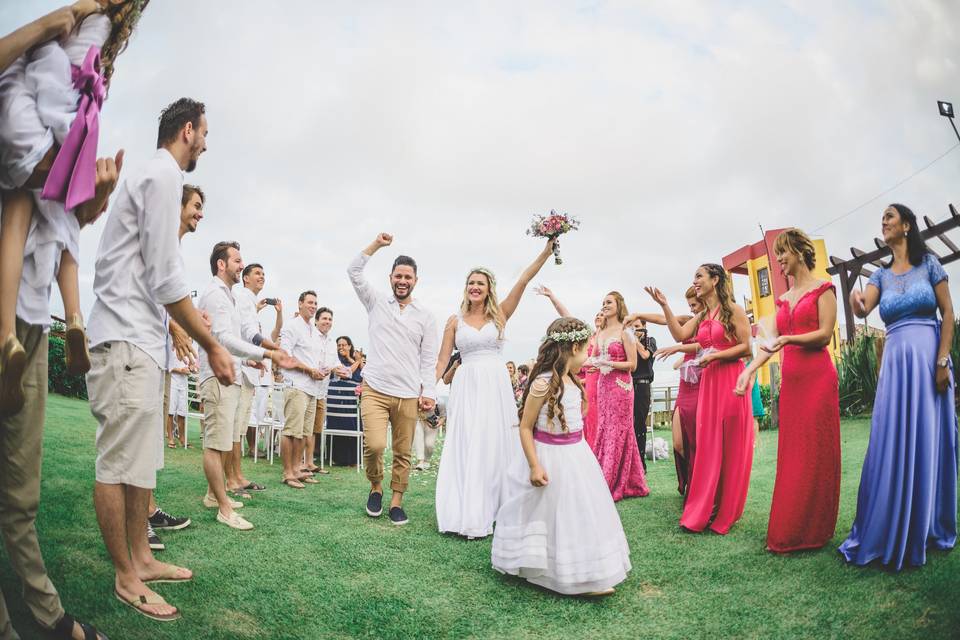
[946,110]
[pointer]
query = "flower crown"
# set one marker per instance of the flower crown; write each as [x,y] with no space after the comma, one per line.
[486,272]
[577,335]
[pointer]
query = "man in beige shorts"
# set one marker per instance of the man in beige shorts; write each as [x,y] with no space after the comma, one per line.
[139,271]
[220,401]
[329,362]
[301,338]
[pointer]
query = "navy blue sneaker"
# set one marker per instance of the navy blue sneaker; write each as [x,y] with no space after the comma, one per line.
[397,516]
[374,504]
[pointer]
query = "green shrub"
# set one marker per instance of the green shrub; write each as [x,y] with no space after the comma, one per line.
[857,373]
[58,381]
[765,421]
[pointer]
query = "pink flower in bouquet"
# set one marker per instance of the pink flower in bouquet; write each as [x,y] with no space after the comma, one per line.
[552,226]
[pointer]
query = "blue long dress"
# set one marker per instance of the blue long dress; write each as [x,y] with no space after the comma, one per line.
[908,488]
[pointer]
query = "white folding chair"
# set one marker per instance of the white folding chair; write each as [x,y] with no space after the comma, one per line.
[343,404]
[193,398]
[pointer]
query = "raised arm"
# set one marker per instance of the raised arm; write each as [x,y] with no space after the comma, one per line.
[56,24]
[361,285]
[654,318]
[278,325]
[509,304]
[562,310]
[679,331]
[446,346]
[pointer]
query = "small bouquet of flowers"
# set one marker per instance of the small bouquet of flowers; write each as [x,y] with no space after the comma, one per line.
[551,226]
[691,369]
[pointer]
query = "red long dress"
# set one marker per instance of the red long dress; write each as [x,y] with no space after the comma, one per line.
[806,495]
[686,405]
[721,468]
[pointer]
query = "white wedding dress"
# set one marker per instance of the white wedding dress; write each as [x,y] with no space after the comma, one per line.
[566,536]
[480,413]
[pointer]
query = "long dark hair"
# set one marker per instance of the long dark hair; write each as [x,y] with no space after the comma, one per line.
[725,317]
[353,353]
[552,358]
[916,247]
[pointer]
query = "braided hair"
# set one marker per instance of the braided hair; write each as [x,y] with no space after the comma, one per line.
[552,358]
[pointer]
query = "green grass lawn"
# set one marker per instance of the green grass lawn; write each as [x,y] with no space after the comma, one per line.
[317,567]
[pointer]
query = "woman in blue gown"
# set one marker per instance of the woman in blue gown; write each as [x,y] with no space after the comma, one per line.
[908,487]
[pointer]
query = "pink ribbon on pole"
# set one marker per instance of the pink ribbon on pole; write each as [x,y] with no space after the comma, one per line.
[73,176]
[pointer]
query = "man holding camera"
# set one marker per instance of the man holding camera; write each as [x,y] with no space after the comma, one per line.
[254,380]
[642,382]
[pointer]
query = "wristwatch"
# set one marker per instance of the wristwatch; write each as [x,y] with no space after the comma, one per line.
[944,362]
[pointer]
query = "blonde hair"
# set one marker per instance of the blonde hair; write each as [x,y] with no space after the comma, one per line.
[621,307]
[491,306]
[552,358]
[798,243]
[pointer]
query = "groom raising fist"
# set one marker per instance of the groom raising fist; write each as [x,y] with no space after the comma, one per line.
[398,379]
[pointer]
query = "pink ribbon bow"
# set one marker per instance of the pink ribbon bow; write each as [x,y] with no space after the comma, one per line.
[73,176]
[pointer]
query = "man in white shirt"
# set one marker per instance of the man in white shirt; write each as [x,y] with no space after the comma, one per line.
[220,433]
[139,271]
[398,378]
[255,381]
[327,361]
[301,338]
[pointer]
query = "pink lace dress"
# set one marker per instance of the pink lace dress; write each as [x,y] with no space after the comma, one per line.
[616,444]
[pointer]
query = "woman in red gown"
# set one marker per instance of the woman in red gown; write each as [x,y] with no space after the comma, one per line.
[721,469]
[590,375]
[806,495]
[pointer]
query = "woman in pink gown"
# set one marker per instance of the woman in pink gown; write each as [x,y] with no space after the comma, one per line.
[616,443]
[724,435]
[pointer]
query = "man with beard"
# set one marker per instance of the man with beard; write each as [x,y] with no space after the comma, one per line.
[139,271]
[399,375]
[220,432]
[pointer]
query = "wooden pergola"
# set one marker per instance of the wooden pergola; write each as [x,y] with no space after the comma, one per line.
[849,270]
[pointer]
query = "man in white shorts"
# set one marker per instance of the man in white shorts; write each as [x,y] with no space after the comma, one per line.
[177,408]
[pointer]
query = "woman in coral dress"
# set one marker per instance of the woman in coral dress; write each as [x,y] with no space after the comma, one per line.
[616,443]
[721,470]
[806,495]
[590,375]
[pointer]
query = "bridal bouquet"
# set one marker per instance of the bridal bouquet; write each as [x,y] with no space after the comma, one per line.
[551,226]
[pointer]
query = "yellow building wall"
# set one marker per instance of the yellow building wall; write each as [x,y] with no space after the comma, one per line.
[765,309]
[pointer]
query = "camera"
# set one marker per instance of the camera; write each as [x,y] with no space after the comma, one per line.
[271,301]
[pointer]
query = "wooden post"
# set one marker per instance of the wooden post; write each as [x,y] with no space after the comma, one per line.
[775,395]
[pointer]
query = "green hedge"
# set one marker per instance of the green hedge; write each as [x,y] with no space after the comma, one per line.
[58,381]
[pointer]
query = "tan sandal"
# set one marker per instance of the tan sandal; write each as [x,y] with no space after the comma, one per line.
[138,602]
[293,483]
[76,353]
[13,362]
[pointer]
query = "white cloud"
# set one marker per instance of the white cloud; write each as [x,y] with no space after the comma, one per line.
[671,129]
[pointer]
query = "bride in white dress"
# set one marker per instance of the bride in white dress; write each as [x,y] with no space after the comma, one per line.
[482,408]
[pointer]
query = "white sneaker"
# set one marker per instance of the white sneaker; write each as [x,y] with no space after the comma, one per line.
[211,503]
[235,521]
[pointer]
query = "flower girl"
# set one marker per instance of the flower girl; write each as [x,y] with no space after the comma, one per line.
[563,531]
[50,101]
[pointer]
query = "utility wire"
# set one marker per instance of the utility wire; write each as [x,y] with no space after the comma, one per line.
[880,195]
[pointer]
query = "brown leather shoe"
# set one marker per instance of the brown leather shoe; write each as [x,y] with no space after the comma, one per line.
[13,361]
[77,355]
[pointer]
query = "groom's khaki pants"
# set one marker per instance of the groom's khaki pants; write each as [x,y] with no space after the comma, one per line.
[378,409]
[21,437]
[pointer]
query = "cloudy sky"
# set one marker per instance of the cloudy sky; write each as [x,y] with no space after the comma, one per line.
[672,129]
